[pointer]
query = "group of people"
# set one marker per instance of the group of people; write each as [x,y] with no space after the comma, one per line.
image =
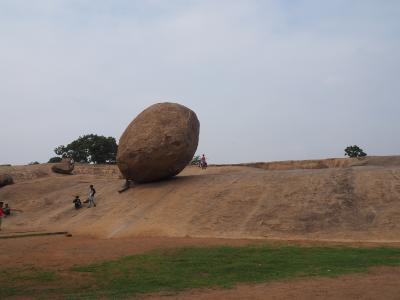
[5,210]
[78,203]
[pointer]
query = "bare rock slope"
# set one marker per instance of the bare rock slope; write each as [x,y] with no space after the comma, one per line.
[356,200]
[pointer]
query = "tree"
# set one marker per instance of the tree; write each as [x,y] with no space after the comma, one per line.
[55,159]
[90,148]
[354,151]
[195,161]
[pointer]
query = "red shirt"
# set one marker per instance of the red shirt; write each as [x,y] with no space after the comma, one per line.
[1,212]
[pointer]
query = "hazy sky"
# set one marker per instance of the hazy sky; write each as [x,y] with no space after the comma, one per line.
[269,80]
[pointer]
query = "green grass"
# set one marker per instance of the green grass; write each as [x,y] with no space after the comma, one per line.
[176,270]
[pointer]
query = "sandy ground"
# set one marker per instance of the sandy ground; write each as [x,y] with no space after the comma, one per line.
[63,252]
[60,252]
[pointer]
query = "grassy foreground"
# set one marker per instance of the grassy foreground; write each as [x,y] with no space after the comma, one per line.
[175,270]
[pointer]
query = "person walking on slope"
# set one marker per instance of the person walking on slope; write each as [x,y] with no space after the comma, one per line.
[91,196]
[1,213]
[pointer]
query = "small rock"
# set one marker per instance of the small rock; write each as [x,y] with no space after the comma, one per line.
[64,167]
[5,179]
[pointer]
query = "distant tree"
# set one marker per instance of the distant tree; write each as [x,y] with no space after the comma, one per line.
[55,159]
[196,160]
[90,148]
[354,151]
[34,163]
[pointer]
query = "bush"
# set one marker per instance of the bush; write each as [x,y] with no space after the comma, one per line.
[33,163]
[55,159]
[195,161]
[354,151]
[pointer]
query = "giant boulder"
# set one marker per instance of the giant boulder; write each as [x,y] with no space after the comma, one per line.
[5,179]
[64,167]
[158,143]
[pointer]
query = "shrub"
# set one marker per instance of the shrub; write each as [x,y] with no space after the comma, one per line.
[55,159]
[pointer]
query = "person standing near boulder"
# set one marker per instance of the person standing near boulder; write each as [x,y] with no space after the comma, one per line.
[203,162]
[91,196]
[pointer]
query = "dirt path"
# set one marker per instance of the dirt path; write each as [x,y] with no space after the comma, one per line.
[62,251]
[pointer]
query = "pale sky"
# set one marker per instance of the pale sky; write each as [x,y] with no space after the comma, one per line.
[269,80]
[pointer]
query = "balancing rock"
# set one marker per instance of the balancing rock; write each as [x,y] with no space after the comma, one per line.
[159,143]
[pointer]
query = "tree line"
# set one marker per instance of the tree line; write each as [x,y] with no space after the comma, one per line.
[99,149]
